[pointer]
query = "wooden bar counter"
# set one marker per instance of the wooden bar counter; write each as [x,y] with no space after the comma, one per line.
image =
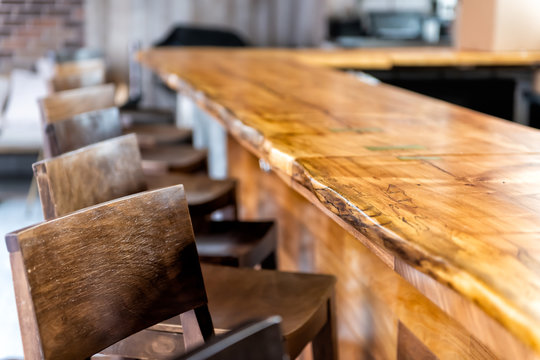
[427,213]
[387,58]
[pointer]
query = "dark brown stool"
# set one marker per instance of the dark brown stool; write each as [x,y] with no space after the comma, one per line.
[112,169]
[68,103]
[94,126]
[93,277]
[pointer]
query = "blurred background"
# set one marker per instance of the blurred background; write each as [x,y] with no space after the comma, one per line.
[36,33]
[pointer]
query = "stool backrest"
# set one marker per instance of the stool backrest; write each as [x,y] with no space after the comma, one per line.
[76,74]
[81,130]
[68,103]
[98,275]
[80,54]
[91,175]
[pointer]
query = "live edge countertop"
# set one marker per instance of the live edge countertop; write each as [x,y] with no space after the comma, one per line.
[452,192]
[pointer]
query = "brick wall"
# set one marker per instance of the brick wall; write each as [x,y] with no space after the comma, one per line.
[30,28]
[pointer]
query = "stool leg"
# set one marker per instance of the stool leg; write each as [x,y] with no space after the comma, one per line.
[324,345]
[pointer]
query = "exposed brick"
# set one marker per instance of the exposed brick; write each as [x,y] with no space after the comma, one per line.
[30,12]
[16,22]
[31,28]
[42,2]
[28,32]
[5,53]
[15,2]
[64,10]
[46,21]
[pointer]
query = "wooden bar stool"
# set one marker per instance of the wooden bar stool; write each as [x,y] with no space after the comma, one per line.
[66,104]
[94,126]
[91,278]
[76,74]
[112,169]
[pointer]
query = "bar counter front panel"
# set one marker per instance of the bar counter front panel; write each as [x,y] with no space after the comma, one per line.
[426,212]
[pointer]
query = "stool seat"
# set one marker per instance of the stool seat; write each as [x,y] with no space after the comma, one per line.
[236,243]
[182,158]
[201,191]
[238,295]
[151,135]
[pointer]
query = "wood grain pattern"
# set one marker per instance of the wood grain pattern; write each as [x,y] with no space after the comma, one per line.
[98,125]
[81,130]
[448,190]
[111,270]
[107,170]
[65,104]
[489,334]
[371,296]
[111,169]
[76,74]
[183,158]
[387,58]
[301,300]
[25,311]
[410,348]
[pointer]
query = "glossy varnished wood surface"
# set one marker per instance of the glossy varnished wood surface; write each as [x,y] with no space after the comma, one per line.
[373,302]
[447,190]
[388,58]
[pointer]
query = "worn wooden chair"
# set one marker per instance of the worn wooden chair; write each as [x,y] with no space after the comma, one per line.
[78,54]
[66,104]
[259,340]
[76,74]
[90,127]
[112,169]
[89,279]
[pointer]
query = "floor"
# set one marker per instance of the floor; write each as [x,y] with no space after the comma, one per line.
[15,212]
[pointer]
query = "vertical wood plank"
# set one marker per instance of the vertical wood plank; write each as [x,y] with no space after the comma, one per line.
[474,320]
[282,23]
[241,18]
[260,22]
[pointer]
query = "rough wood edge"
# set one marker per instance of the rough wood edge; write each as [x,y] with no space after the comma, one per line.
[45,191]
[25,309]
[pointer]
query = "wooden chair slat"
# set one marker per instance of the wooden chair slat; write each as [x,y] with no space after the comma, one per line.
[97,173]
[77,74]
[66,104]
[82,130]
